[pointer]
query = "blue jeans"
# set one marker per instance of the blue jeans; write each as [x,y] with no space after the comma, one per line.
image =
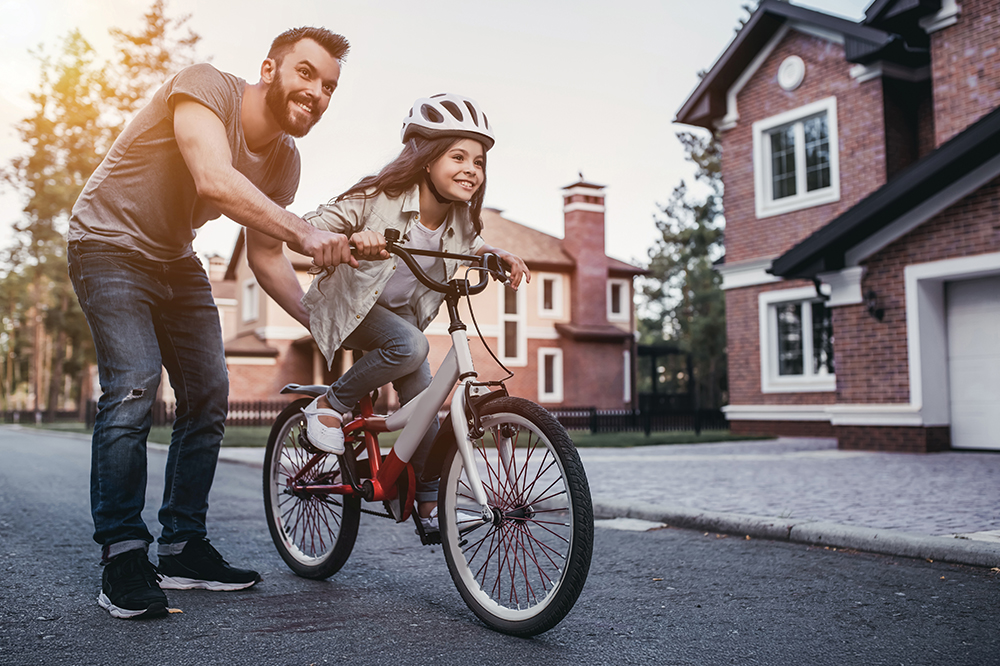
[143,315]
[395,351]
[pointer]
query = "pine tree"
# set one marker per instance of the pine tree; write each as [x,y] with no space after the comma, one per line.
[80,105]
[683,301]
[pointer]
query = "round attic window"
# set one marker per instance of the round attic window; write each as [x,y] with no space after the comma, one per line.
[791,72]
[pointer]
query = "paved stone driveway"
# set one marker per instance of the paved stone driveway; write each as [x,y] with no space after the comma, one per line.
[800,478]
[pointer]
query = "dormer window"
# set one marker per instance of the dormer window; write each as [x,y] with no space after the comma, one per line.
[796,161]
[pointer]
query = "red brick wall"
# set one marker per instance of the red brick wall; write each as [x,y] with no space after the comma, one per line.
[861,145]
[782,428]
[895,439]
[871,356]
[593,373]
[743,345]
[264,382]
[965,62]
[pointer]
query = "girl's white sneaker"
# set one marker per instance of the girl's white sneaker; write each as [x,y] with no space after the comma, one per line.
[324,438]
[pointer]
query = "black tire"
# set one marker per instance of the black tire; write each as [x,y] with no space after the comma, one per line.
[522,572]
[314,534]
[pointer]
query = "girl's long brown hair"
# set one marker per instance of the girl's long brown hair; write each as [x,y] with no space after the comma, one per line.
[400,175]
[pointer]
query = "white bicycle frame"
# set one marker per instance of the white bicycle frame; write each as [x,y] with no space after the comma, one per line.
[415,417]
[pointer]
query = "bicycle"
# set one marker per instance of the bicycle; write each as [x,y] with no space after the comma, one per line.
[514,506]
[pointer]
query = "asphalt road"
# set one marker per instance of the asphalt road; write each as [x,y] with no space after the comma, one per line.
[665,596]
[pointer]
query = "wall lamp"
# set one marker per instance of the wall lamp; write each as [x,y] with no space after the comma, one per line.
[871,302]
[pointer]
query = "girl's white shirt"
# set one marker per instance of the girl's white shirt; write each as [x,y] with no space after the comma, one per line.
[402,283]
[338,300]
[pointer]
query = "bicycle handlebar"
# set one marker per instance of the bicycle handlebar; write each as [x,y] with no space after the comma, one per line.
[489,264]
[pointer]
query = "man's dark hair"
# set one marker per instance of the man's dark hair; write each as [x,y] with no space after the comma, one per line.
[336,45]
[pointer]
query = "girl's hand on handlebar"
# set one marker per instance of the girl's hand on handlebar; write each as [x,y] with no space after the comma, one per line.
[518,269]
[369,245]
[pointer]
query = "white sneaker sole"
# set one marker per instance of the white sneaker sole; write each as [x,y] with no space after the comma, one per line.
[125,613]
[181,583]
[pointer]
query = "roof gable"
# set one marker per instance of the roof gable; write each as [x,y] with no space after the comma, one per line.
[863,44]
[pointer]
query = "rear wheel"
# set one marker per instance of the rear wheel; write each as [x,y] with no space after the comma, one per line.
[313,532]
[521,568]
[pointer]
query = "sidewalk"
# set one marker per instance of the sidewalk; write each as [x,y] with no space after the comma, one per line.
[941,506]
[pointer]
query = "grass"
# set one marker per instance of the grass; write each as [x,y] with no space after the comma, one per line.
[257,436]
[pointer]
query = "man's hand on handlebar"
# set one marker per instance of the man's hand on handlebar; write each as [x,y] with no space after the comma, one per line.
[326,248]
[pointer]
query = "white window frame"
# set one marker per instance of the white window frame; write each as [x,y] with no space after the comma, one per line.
[250,308]
[771,381]
[521,318]
[556,395]
[626,314]
[765,204]
[556,311]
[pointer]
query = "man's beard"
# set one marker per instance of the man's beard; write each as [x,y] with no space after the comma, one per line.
[277,101]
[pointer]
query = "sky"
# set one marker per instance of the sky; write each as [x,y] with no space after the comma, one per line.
[570,87]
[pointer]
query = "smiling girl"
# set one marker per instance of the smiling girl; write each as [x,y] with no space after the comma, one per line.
[433,194]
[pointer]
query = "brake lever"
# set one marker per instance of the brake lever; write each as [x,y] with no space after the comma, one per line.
[495,267]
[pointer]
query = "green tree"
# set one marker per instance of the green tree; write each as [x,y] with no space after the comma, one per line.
[683,304]
[80,105]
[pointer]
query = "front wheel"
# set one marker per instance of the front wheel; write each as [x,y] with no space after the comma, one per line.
[314,532]
[521,568]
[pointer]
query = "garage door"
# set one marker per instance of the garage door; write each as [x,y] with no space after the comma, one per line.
[974,363]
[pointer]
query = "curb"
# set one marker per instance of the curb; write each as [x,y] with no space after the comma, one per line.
[814,533]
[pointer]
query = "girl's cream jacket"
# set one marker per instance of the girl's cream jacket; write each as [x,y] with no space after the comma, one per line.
[339,299]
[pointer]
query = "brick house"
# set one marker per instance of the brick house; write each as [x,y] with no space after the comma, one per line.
[569,336]
[862,200]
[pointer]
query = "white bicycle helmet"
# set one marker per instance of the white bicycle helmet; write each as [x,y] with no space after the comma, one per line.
[447,115]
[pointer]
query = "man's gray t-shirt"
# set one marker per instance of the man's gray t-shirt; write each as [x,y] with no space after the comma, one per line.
[142,196]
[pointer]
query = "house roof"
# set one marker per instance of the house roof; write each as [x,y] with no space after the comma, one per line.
[863,44]
[538,249]
[248,344]
[952,171]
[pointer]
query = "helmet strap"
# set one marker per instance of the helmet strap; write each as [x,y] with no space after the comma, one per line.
[437,195]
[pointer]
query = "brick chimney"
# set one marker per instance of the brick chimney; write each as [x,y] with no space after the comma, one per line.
[217,267]
[583,209]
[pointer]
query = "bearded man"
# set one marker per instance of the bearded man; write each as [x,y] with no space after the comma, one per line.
[208,143]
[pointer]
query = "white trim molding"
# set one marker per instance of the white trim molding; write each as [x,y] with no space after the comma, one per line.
[626,301]
[927,329]
[732,111]
[881,415]
[747,273]
[557,374]
[251,360]
[764,204]
[875,415]
[946,16]
[845,286]
[770,380]
[875,70]
[281,332]
[557,295]
[579,205]
[776,412]
[585,191]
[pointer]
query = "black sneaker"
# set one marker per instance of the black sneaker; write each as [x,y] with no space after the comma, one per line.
[200,567]
[129,587]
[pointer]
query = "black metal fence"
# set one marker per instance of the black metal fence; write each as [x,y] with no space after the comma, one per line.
[30,416]
[264,412]
[622,420]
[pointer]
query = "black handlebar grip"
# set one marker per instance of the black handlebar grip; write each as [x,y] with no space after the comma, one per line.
[392,235]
